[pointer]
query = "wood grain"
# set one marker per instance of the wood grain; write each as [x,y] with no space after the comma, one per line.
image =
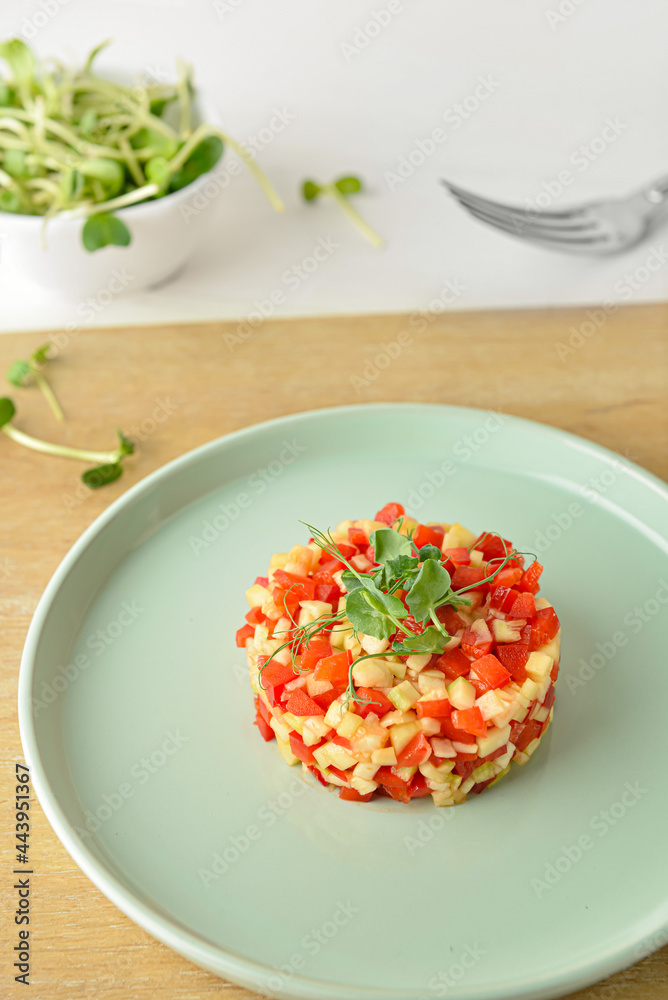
[174,388]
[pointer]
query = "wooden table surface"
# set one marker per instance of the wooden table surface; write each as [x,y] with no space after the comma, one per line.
[173,388]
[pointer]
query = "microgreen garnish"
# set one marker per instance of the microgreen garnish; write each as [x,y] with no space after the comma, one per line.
[110,463]
[372,607]
[339,190]
[25,373]
[75,144]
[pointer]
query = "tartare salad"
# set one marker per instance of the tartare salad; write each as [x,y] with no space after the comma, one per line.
[402,659]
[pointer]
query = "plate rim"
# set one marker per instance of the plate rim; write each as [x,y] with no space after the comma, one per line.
[168,930]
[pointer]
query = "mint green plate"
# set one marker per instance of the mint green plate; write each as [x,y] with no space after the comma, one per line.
[136,719]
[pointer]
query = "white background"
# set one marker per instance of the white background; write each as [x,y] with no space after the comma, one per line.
[559,70]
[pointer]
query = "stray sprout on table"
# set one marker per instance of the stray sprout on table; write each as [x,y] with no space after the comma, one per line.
[75,144]
[339,191]
[25,373]
[110,463]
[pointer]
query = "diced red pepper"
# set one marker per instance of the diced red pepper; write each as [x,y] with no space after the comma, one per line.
[341,741]
[400,794]
[262,581]
[449,618]
[465,768]
[256,616]
[434,708]
[416,752]
[481,786]
[475,646]
[554,672]
[467,576]
[300,749]
[509,576]
[329,593]
[275,673]
[470,720]
[245,632]
[339,773]
[514,655]
[524,606]
[451,731]
[372,695]
[334,669]
[499,752]
[491,671]
[325,698]
[370,553]
[317,648]
[317,773]
[296,587]
[425,535]
[548,701]
[491,546]
[453,663]
[390,512]
[460,556]
[347,550]
[544,628]
[351,795]
[415,627]
[266,732]
[529,581]
[300,704]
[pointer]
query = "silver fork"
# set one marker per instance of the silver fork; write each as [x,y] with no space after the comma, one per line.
[596,227]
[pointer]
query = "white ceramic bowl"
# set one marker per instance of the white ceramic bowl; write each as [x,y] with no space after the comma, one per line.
[164,234]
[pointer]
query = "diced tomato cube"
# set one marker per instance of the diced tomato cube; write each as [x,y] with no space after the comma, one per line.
[503,598]
[325,572]
[470,720]
[524,733]
[416,752]
[554,672]
[351,795]
[524,606]
[434,708]
[449,618]
[544,628]
[274,673]
[262,581]
[343,775]
[491,671]
[300,749]
[347,550]
[513,656]
[460,556]
[499,752]
[481,786]
[465,768]
[371,695]
[418,786]
[357,537]
[334,669]
[300,704]
[256,616]
[425,535]
[298,588]
[467,576]
[475,646]
[341,741]
[245,632]
[453,663]
[451,731]
[491,546]
[317,773]
[400,794]
[317,648]
[529,581]
[548,700]
[329,593]
[509,576]
[390,512]
[388,777]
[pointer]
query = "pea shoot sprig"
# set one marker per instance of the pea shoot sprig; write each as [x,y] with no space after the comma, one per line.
[373,607]
[339,191]
[25,373]
[109,463]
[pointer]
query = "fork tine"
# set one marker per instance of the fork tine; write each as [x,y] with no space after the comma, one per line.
[525,219]
[566,216]
[570,238]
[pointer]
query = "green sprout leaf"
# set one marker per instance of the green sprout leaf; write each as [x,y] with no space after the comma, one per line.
[202,159]
[429,641]
[388,544]
[104,229]
[7,411]
[41,355]
[158,172]
[102,475]
[429,552]
[126,447]
[20,374]
[349,185]
[310,190]
[431,586]
[20,60]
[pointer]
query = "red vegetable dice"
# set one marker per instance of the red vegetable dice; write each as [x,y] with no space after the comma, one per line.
[390,512]
[416,752]
[245,632]
[544,628]
[491,671]
[300,704]
[470,720]
[453,663]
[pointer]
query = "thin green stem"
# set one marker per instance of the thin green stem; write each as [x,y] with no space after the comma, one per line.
[102,457]
[370,234]
[49,395]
